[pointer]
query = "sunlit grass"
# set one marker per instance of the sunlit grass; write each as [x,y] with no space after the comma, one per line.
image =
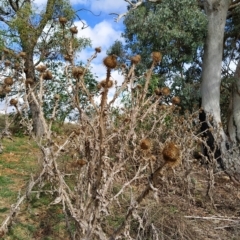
[37,219]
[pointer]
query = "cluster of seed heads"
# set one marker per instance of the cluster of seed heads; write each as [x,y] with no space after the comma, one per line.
[163,91]
[47,75]
[171,152]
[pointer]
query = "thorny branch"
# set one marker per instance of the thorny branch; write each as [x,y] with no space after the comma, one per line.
[116,152]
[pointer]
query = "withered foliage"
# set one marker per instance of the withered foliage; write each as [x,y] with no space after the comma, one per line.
[122,155]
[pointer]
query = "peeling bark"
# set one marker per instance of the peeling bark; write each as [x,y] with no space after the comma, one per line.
[216,12]
[234,108]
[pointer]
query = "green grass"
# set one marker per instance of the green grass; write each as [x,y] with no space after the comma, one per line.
[17,162]
[37,219]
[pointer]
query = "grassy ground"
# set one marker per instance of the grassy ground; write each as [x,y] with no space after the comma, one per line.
[36,219]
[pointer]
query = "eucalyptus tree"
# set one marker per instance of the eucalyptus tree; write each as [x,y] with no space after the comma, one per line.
[177,29]
[37,35]
[154,19]
[232,54]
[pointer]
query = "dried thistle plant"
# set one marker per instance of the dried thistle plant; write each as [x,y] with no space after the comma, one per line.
[111,149]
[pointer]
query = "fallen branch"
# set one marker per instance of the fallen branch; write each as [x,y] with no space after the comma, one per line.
[215,218]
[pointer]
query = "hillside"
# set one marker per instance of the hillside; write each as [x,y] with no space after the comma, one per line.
[186,207]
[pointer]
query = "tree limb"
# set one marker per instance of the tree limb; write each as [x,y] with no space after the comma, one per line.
[47,16]
[234,4]
[132,7]
[13,5]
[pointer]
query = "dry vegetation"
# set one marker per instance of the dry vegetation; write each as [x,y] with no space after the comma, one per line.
[124,172]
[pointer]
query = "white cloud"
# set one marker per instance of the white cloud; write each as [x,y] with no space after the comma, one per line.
[40,2]
[102,34]
[105,6]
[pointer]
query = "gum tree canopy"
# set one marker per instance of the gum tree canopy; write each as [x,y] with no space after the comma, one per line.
[184,37]
[37,34]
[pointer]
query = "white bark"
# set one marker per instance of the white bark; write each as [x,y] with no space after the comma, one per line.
[216,11]
[234,118]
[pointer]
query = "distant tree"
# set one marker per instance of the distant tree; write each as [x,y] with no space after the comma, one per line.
[177,29]
[143,31]
[58,87]
[37,35]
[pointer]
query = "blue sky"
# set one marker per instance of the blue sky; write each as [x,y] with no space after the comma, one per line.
[102,29]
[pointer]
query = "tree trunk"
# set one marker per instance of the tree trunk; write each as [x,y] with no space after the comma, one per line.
[216,11]
[234,109]
[38,125]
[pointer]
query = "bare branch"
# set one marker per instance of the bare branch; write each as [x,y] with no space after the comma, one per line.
[13,5]
[47,16]
[132,6]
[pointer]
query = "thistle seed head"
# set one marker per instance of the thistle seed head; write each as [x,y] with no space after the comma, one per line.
[110,61]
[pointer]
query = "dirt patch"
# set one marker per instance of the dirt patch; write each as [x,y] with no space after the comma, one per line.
[11,157]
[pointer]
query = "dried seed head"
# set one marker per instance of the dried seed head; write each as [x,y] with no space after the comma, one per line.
[7,63]
[156,57]
[8,81]
[176,100]
[127,120]
[16,65]
[29,81]
[123,65]
[77,72]
[7,89]
[165,91]
[136,59]
[106,84]
[79,163]
[153,158]
[110,61]
[145,144]
[47,75]
[74,30]
[98,49]
[41,68]
[56,97]
[62,20]
[6,51]
[77,131]
[67,57]
[171,152]
[13,102]
[158,91]
[22,54]
[163,107]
